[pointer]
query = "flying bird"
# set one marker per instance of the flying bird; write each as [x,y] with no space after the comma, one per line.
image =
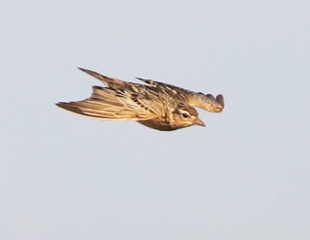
[154,104]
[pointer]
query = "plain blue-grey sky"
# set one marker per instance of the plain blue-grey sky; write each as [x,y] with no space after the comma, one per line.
[245,176]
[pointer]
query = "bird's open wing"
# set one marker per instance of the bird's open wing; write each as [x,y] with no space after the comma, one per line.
[109,103]
[204,101]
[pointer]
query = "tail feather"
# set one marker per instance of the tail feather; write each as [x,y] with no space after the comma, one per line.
[111,82]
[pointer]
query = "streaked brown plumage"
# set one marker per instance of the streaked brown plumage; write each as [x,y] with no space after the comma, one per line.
[154,104]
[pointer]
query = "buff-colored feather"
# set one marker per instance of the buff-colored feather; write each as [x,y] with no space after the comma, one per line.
[154,104]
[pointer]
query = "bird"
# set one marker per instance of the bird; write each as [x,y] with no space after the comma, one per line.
[153,104]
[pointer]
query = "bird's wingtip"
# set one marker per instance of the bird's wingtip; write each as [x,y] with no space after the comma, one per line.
[220,99]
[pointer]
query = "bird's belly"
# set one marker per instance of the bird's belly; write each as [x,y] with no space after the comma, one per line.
[157,124]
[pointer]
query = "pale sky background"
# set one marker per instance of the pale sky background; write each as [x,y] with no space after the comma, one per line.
[245,176]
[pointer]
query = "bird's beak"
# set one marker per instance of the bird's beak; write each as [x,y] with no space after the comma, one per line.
[200,123]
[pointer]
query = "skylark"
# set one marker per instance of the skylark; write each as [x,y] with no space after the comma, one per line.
[154,104]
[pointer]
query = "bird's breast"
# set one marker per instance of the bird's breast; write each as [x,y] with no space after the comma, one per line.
[158,124]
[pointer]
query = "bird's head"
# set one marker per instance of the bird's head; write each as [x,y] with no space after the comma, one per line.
[185,116]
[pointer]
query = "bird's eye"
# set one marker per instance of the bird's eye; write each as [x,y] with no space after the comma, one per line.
[185,115]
